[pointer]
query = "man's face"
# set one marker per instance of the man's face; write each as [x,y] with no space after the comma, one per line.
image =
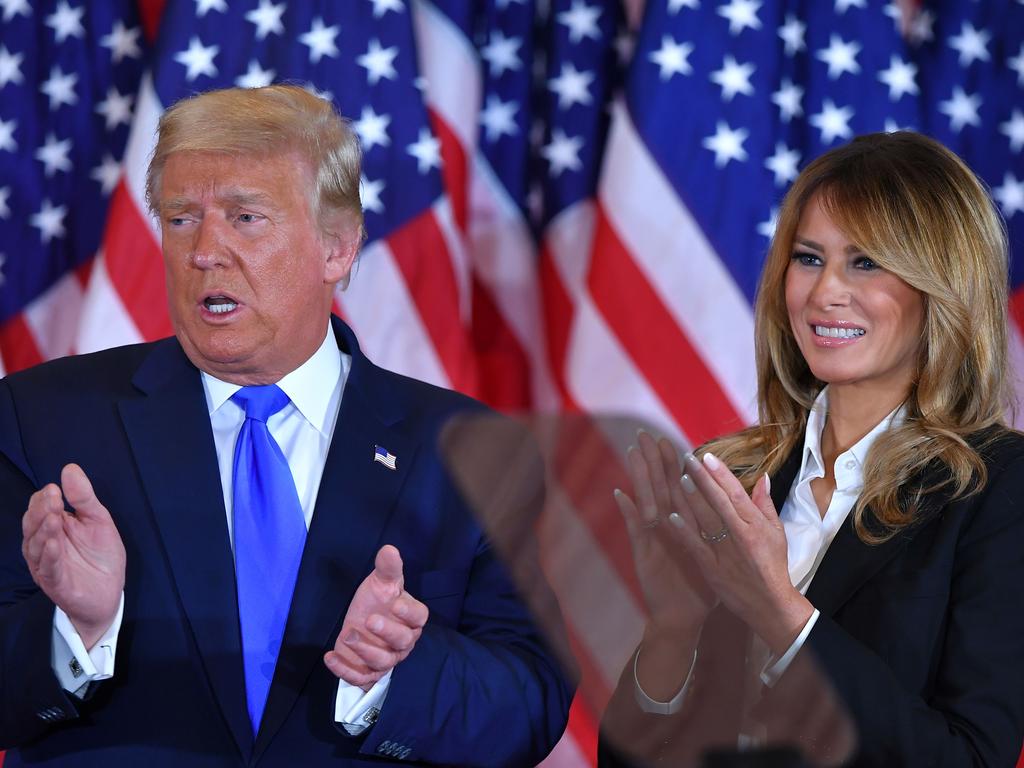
[250,275]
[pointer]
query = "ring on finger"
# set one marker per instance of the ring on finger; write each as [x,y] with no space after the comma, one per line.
[715,538]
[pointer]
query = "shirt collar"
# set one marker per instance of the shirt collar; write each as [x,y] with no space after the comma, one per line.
[813,464]
[309,387]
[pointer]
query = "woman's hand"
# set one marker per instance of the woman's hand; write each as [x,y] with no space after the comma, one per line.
[740,545]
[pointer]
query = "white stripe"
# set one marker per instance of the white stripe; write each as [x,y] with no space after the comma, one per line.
[670,248]
[599,374]
[104,321]
[456,248]
[141,142]
[53,317]
[566,754]
[384,316]
[452,70]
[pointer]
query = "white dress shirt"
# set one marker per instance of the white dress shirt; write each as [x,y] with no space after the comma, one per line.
[808,532]
[303,429]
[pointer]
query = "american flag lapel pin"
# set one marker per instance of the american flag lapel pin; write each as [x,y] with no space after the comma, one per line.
[385,457]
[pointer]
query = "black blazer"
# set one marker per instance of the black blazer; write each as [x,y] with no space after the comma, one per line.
[922,638]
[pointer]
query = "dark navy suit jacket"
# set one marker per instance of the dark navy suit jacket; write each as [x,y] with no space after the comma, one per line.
[481,686]
[921,637]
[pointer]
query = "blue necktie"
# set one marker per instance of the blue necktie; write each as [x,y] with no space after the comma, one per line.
[269,533]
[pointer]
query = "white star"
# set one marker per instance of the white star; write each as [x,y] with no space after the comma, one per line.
[675,5]
[921,27]
[962,109]
[255,76]
[971,44]
[498,118]
[783,164]
[792,34]
[501,53]
[426,150]
[267,18]
[572,86]
[380,7]
[581,19]
[320,40]
[372,129]
[741,14]
[49,221]
[672,57]
[66,21]
[562,153]
[369,194]
[767,228]
[727,144]
[840,56]
[60,88]
[378,62]
[1013,129]
[5,211]
[14,8]
[116,109]
[10,67]
[900,78]
[198,59]
[205,6]
[54,155]
[122,42]
[107,173]
[891,126]
[7,141]
[788,99]
[1010,195]
[733,78]
[843,5]
[1017,65]
[325,95]
[833,122]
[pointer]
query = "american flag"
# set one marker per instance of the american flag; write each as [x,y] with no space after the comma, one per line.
[568,201]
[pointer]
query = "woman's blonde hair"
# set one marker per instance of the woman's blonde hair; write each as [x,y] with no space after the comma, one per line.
[916,210]
[255,122]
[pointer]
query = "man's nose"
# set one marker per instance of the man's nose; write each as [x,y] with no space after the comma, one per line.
[209,249]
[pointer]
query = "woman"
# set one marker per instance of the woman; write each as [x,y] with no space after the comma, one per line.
[874,516]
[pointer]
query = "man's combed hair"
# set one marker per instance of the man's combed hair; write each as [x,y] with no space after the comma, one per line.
[254,122]
[916,210]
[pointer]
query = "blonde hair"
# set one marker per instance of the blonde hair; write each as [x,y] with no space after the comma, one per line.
[916,210]
[259,121]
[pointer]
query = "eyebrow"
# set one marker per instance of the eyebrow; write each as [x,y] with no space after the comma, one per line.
[815,246]
[232,196]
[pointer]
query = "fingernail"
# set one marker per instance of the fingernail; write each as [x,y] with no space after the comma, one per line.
[711,461]
[617,493]
[352,638]
[691,460]
[675,519]
[375,624]
[767,483]
[687,482]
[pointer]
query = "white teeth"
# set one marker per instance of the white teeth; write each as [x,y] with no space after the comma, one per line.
[838,333]
[220,309]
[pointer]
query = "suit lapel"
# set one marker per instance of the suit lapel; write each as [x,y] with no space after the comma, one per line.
[172,442]
[356,499]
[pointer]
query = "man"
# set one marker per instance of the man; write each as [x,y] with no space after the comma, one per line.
[258,558]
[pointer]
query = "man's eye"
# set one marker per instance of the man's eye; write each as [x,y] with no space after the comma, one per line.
[805,258]
[248,218]
[176,221]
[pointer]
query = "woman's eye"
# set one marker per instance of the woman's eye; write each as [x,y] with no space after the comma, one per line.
[805,258]
[863,262]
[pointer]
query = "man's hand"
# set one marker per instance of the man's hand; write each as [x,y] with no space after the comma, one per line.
[381,627]
[77,559]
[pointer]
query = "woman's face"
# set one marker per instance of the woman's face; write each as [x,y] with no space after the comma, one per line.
[855,323]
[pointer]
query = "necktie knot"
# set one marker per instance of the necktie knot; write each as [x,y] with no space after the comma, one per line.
[261,402]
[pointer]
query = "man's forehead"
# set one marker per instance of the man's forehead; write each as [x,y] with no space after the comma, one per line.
[220,175]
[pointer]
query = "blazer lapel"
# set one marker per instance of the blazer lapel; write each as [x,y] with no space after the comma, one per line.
[356,499]
[172,441]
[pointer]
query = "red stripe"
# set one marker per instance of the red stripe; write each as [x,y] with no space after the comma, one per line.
[18,345]
[583,727]
[453,170]
[136,266]
[649,334]
[1017,307]
[150,12]
[504,367]
[421,252]
[558,315]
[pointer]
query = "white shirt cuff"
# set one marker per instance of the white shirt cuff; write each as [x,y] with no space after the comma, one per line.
[76,667]
[357,710]
[774,669]
[647,704]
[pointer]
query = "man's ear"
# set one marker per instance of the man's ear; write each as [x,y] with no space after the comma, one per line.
[342,238]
